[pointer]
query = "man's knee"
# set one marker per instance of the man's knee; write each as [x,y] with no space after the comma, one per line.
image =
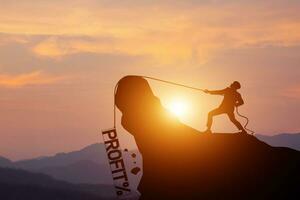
[214,112]
[211,114]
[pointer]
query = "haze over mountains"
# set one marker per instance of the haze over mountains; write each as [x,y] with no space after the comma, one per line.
[17,184]
[88,165]
[282,140]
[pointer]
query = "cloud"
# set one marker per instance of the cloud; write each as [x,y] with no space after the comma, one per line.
[12,38]
[155,49]
[292,92]
[166,32]
[59,46]
[26,79]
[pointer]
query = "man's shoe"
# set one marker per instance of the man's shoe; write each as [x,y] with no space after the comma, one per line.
[243,132]
[208,131]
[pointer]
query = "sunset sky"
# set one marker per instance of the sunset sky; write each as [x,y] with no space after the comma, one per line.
[60,60]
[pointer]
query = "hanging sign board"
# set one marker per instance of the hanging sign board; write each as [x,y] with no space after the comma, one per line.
[116,162]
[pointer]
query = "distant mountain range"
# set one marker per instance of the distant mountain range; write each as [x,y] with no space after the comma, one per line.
[16,184]
[94,153]
[4,162]
[86,166]
[282,140]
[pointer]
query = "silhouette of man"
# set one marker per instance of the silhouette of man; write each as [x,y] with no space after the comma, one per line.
[231,100]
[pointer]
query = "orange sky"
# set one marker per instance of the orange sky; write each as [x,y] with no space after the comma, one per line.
[59,61]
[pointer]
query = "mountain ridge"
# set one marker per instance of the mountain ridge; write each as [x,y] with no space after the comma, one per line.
[18,184]
[290,140]
[88,165]
[94,152]
[90,161]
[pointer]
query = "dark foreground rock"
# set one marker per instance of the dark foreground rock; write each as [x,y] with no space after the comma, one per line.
[181,163]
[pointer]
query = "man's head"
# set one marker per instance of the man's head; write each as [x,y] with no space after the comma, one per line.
[235,85]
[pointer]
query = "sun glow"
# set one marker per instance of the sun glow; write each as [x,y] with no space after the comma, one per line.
[178,107]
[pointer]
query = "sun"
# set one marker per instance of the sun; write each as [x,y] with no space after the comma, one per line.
[178,108]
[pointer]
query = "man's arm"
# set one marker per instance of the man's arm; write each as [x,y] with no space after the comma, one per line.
[217,92]
[239,101]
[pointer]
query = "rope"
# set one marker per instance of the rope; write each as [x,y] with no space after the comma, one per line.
[172,83]
[180,85]
[247,120]
[115,91]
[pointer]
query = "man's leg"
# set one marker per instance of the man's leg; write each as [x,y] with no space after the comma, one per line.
[236,122]
[211,114]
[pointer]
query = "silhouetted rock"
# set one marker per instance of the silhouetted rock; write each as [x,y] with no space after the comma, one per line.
[182,163]
[135,170]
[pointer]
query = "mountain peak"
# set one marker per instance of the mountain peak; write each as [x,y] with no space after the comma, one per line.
[94,152]
[94,147]
[4,162]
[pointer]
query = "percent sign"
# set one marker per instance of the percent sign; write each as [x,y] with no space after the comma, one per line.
[121,190]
